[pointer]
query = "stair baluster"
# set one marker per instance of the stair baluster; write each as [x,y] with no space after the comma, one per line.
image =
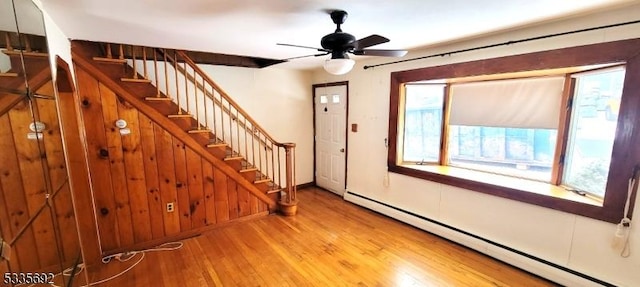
[7,42]
[246,136]
[213,110]
[186,88]
[155,71]
[109,53]
[121,50]
[144,63]
[166,75]
[27,43]
[195,97]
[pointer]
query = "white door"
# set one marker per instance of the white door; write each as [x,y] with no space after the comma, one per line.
[331,130]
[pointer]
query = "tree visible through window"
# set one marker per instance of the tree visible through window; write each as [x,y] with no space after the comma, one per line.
[423,122]
[592,131]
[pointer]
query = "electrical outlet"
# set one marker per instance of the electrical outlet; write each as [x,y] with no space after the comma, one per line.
[170,207]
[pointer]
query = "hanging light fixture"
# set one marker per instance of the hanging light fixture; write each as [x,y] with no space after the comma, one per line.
[339,64]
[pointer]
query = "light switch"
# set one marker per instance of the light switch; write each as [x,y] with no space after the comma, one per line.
[354,128]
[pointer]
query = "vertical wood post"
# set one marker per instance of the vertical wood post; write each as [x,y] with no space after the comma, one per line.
[133,56]
[27,44]
[109,54]
[288,204]
[7,41]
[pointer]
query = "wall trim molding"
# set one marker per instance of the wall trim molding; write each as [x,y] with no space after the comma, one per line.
[306,185]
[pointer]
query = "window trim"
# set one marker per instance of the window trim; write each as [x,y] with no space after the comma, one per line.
[624,156]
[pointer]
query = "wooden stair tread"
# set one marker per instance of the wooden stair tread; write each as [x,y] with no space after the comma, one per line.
[132,80]
[235,157]
[217,144]
[16,52]
[177,116]
[199,131]
[274,190]
[248,169]
[262,180]
[161,99]
[8,74]
[109,60]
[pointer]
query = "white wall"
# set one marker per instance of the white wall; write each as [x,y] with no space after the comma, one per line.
[280,101]
[58,43]
[576,242]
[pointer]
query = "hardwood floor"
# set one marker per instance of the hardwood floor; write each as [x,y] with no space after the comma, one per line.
[329,243]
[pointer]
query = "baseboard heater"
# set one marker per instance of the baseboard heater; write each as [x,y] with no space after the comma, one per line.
[530,263]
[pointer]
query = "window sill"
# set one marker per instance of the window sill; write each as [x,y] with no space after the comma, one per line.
[529,191]
[518,184]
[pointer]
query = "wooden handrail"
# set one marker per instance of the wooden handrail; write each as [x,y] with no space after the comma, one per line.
[226,97]
[226,110]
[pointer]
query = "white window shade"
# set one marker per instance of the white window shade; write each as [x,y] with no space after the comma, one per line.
[519,103]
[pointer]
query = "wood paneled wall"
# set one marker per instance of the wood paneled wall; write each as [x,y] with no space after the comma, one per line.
[73,138]
[30,168]
[135,175]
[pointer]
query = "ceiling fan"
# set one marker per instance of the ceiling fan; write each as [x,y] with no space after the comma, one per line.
[339,43]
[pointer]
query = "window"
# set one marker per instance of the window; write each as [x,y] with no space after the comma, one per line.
[539,128]
[423,122]
[592,130]
[509,127]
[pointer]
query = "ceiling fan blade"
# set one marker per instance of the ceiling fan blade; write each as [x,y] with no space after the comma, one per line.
[383,53]
[369,41]
[306,56]
[306,47]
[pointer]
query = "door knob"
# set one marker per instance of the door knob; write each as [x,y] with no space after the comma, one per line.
[342,150]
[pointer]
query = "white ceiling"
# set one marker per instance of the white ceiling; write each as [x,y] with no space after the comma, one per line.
[253,27]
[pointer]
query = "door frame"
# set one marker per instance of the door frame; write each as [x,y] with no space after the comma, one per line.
[346,129]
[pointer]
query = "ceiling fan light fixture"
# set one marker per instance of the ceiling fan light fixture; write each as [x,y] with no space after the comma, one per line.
[338,66]
[340,43]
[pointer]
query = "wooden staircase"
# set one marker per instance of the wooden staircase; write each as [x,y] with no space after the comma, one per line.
[171,90]
[13,87]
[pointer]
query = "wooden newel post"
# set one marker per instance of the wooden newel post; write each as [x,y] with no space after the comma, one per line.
[288,203]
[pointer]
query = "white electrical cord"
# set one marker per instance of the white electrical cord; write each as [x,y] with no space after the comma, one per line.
[122,257]
[623,229]
[126,256]
[119,274]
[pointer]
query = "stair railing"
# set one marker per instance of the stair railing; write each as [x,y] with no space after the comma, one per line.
[178,78]
[14,43]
